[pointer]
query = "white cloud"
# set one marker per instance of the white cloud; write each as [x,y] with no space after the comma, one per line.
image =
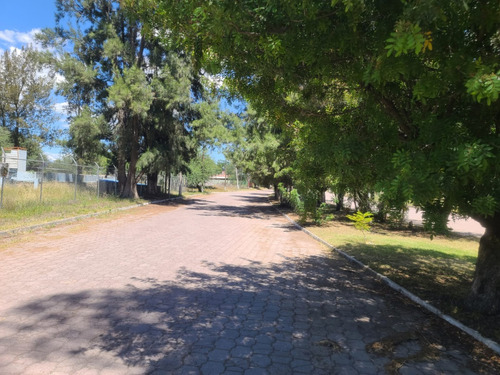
[215,80]
[7,36]
[61,108]
[12,38]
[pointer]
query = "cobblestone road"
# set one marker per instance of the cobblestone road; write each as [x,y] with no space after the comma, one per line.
[221,284]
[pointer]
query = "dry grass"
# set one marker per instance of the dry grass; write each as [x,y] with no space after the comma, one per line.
[22,206]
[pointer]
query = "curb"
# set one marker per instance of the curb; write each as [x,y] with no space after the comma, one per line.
[11,232]
[471,332]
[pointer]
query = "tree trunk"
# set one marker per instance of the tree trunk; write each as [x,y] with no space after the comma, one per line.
[165,183]
[122,175]
[169,182]
[130,190]
[485,293]
[16,137]
[180,184]
[363,201]
[322,197]
[339,198]
[152,187]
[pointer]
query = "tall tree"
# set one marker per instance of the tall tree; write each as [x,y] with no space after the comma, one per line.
[108,65]
[26,102]
[85,136]
[260,149]
[167,145]
[427,70]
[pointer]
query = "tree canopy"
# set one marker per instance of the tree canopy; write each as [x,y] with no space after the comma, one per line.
[399,97]
[131,96]
[26,102]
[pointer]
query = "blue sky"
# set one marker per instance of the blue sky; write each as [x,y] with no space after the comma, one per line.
[25,15]
[20,20]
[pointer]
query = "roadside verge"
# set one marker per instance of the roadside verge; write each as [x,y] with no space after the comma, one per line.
[12,232]
[471,332]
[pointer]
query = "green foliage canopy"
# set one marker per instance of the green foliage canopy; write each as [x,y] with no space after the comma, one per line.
[424,76]
[26,102]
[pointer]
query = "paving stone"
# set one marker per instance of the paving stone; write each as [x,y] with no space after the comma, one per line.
[262,349]
[237,364]
[257,371]
[218,355]
[279,369]
[221,284]
[260,360]
[407,370]
[225,344]
[281,358]
[345,370]
[188,370]
[195,359]
[241,351]
[283,346]
[212,367]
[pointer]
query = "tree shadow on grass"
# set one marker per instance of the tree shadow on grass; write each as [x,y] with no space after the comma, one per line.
[442,279]
[225,317]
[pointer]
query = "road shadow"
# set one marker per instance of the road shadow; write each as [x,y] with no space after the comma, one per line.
[272,316]
[252,207]
[181,202]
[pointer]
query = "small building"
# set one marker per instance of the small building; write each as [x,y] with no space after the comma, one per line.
[16,158]
[220,177]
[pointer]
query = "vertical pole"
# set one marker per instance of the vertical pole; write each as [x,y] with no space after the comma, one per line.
[41,178]
[180,184]
[1,194]
[225,176]
[116,179]
[3,179]
[97,179]
[76,175]
[237,181]
[165,183]
[169,182]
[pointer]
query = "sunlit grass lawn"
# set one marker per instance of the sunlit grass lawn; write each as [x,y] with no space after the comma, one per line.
[439,271]
[444,264]
[22,207]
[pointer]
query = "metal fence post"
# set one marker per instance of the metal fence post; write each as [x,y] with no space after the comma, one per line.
[76,175]
[3,179]
[237,178]
[180,184]
[115,171]
[41,178]
[97,165]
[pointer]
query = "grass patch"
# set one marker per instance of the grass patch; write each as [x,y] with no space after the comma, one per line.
[440,271]
[22,206]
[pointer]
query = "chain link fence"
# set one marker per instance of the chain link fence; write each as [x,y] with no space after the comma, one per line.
[39,177]
[44,180]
